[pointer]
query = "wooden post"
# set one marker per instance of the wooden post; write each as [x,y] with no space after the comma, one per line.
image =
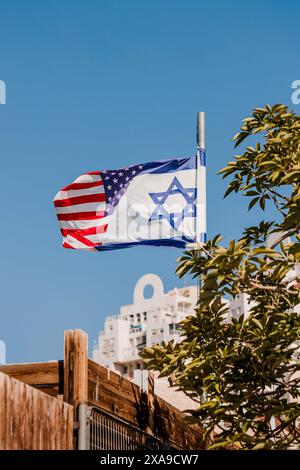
[151,403]
[76,368]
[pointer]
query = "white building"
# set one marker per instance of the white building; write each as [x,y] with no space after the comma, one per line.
[2,352]
[238,306]
[146,322]
[143,323]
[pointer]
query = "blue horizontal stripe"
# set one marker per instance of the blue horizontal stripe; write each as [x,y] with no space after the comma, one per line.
[169,166]
[172,242]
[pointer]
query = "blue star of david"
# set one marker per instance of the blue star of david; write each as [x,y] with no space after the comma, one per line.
[174,218]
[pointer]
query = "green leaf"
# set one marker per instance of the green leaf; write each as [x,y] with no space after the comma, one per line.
[253,202]
[251,193]
[262,203]
[257,323]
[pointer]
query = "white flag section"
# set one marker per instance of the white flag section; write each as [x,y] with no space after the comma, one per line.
[154,203]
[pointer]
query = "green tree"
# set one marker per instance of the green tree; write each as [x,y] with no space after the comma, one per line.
[244,373]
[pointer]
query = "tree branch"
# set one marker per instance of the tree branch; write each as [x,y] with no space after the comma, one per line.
[277,194]
[255,285]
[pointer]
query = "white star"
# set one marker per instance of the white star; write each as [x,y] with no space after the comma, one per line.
[121,185]
[140,167]
[133,172]
[120,174]
[113,173]
[107,177]
[127,178]
[115,192]
[109,186]
[115,180]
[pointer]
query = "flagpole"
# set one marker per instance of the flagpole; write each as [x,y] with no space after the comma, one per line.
[201,180]
[201,186]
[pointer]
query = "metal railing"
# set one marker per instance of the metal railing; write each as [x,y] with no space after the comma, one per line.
[107,432]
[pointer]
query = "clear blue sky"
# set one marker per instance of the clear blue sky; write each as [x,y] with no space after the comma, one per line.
[101,84]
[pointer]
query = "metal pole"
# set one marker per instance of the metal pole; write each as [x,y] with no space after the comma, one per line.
[201,186]
[201,130]
[83,443]
[201,180]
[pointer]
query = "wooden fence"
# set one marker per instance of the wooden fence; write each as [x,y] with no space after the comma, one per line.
[78,380]
[31,419]
[149,412]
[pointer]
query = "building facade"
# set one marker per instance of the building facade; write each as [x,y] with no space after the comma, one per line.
[146,322]
[149,321]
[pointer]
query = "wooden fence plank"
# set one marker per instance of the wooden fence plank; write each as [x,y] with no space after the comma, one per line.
[75,367]
[45,376]
[2,411]
[8,408]
[31,419]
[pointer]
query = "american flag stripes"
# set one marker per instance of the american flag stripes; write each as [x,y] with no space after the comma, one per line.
[80,209]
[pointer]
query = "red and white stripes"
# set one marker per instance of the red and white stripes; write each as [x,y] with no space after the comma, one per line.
[80,208]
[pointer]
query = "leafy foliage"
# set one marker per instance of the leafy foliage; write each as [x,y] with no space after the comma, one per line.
[244,373]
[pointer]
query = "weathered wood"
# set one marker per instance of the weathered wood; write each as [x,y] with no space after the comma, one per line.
[171,425]
[76,367]
[31,419]
[113,393]
[42,375]
[114,403]
[151,403]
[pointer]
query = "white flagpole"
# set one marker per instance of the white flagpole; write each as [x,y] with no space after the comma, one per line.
[201,180]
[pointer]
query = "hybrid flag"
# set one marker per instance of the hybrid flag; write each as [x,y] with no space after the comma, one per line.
[155,203]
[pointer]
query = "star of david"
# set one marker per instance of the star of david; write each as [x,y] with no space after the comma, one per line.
[174,218]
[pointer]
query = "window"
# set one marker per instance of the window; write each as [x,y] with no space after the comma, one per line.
[141,341]
[138,317]
[173,328]
[125,370]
